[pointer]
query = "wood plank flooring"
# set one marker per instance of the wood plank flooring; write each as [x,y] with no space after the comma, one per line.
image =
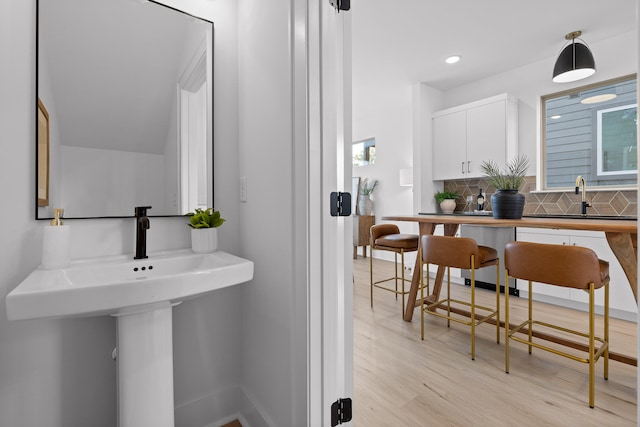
[401,380]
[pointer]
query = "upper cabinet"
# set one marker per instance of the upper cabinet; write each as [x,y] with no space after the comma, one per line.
[466,135]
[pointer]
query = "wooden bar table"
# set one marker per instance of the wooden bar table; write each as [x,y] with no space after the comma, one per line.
[621,234]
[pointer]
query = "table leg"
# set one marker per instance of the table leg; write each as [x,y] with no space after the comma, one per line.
[425,228]
[625,247]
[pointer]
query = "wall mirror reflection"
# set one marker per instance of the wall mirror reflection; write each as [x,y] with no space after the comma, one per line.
[128,88]
[591,131]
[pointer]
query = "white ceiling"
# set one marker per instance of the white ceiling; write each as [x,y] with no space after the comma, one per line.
[406,41]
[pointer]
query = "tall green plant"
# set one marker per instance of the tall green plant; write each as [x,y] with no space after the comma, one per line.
[509,178]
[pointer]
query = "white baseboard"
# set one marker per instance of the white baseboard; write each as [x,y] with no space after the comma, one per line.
[220,408]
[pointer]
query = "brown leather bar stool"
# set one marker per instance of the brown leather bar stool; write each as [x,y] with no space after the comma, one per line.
[559,265]
[460,252]
[387,237]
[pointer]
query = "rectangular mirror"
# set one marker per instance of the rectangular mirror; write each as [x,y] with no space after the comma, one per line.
[127,85]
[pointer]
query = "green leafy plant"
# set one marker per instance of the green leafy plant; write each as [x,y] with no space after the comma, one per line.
[207,218]
[444,195]
[366,188]
[509,178]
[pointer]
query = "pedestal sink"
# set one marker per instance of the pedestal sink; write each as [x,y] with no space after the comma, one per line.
[140,294]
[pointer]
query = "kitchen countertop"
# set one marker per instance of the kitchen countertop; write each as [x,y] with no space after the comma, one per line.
[623,224]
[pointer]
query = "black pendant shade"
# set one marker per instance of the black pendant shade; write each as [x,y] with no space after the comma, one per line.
[574,63]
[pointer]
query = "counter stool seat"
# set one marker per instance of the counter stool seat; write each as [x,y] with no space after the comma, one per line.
[387,237]
[567,266]
[465,253]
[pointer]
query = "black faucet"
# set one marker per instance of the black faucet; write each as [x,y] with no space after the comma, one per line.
[142,225]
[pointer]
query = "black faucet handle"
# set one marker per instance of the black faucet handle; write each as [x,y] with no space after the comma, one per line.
[141,210]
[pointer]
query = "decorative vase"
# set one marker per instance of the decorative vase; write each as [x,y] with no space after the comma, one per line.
[448,205]
[204,240]
[507,204]
[365,205]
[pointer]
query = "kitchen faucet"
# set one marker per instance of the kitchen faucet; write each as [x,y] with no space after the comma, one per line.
[142,225]
[581,181]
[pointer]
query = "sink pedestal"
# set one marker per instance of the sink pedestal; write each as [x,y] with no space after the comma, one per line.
[140,293]
[145,368]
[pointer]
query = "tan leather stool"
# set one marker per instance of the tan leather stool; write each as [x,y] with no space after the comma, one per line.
[387,237]
[559,265]
[460,252]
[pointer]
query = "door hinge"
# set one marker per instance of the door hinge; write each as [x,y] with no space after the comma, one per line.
[340,204]
[341,4]
[341,411]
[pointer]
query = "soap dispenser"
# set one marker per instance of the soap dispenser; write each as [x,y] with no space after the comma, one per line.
[56,248]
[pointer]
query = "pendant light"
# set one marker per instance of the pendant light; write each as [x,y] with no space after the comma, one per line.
[575,62]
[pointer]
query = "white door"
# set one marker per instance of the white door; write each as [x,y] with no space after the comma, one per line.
[331,279]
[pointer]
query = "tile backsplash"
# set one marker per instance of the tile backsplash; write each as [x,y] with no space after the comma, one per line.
[622,202]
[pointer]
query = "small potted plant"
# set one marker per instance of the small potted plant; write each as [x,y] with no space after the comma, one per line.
[204,233]
[447,200]
[507,202]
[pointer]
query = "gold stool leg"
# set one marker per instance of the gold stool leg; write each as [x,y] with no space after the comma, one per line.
[448,297]
[402,285]
[371,272]
[473,309]
[591,345]
[395,257]
[530,326]
[506,324]
[506,289]
[422,294]
[606,330]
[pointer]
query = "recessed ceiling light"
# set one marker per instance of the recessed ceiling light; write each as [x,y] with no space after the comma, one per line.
[598,98]
[452,59]
[556,117]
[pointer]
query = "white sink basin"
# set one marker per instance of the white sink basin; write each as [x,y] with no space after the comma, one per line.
[116,285]
[141,294]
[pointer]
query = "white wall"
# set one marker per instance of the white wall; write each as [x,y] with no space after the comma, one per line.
[59,373]
[126,179]
[389,119]
[270,342]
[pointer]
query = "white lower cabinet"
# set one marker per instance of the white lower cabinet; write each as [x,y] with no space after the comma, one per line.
[621,300]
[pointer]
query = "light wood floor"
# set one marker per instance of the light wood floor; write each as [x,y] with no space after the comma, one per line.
[401,380]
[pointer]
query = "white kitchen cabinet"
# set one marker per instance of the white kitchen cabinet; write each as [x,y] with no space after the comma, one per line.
[466,135]
[621,300]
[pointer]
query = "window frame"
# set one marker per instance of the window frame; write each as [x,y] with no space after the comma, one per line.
[542,149]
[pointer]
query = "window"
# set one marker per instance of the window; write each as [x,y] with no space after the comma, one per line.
[364,152]
[591,131]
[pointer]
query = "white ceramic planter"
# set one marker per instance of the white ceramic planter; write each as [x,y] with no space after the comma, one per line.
[204,240]
[448,205]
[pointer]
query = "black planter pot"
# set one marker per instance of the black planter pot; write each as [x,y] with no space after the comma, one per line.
[507,204]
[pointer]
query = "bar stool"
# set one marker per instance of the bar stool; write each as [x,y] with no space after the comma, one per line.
[559,265]
[460,252]
[387,237]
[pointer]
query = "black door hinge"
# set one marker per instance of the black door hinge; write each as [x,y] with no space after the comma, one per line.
[341,4]
[340,204]
[341,411]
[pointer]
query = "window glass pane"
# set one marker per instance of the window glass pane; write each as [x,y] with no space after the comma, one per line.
[591,131]
[364,152]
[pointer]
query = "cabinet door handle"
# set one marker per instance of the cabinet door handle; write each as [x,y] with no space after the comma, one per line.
[469,166]
[462,166]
